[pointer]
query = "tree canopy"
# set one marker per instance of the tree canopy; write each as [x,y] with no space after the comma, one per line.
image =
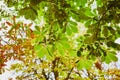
[65,39]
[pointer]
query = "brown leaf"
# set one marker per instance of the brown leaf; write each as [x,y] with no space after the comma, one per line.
[98,65]
[14,19]
[10,24]
[29,25]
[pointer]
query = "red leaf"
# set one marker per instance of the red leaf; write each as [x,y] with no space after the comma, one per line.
[8,23]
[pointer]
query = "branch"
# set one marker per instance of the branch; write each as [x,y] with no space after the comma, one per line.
[89,75]
[69,74]
[55,64]
[43,72]
[77,72]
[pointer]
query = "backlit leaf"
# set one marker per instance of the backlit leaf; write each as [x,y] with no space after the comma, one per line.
[84,64]
[81,2]
[41,50]
[68,30]
[60,48]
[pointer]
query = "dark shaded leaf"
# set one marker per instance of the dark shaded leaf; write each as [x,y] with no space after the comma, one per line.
[111,30]
[29,13]
[78,53]
[105,31]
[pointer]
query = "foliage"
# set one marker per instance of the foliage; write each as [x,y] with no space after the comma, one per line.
[52,49]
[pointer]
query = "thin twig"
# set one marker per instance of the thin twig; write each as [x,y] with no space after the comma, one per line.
[69,74]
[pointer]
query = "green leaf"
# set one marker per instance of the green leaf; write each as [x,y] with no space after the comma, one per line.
[88,12]
[74,28]
[83,16]
[81,2]
[40,50]
[11,3]
[90,39]
[59,48]
[41,53]
[73,23]
[80,64]
[112,31]
[68,30]
[87,64]
[105,31]
[65,44]
[36,32]
[111,57]
[78,53]
[72,53]
[101,10]
[113,44]
[114,58]
[99,3]
[50,50]
[71,27]
[37,47]
[74,15]
[107,59]
[29,13]
[37,28]
[88,22]
[103,58]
